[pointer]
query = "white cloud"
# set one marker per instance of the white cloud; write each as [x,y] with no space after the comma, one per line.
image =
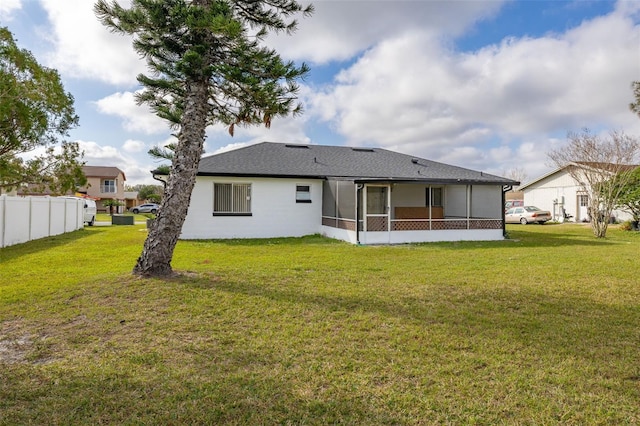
[136,118]
[133,146]
[338,30]
[105,155]
[230,147]
[84,48]
[7,7]
[101,155]
[414,94]
[283,129]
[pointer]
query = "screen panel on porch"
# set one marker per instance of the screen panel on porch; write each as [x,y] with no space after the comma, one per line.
[339,204]
[329,198]
[346,200]
[377,214]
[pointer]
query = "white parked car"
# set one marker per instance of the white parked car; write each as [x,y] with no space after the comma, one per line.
[526,214]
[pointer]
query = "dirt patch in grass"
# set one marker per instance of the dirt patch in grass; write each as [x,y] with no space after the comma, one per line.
[20,345]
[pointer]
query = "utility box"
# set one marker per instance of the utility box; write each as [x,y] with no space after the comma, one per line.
[119,219]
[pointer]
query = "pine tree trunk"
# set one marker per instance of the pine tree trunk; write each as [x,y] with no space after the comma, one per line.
[157,253]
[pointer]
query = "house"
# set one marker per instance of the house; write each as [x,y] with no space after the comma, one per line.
[130,199]
[566,199]
[104,183]
[360,195]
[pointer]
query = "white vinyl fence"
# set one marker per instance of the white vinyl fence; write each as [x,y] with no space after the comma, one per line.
[24,219]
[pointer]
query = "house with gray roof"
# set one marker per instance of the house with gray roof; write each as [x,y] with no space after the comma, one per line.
[360,195]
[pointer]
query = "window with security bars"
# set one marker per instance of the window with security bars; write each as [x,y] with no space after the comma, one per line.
[232,199]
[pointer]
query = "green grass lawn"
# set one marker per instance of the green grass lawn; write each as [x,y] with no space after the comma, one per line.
[543,328]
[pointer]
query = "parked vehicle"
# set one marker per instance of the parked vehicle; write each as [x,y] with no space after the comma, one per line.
[145,208]
[90,210]
[513,203]
[526,214]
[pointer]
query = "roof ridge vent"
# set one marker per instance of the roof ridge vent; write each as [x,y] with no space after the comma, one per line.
[291,145]
[363,149]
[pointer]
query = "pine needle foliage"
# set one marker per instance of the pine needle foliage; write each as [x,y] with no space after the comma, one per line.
[208,64]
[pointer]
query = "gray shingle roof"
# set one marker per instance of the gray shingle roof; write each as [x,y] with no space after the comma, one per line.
[102,171]
[268,159]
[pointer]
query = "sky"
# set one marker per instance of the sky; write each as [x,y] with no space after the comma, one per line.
[487,85]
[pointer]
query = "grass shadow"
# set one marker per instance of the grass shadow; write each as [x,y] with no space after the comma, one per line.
[16,251]
[549,324]
[253,242]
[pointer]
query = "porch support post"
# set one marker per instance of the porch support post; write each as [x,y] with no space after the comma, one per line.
[388,210]
[468,204]
[505,189]
[429,203]
[364,209]
[358,207]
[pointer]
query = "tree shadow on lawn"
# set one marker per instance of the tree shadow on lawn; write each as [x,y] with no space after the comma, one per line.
[550,325]
[314,239]
[520,237]
[229,383]
[537,239]
[10,253]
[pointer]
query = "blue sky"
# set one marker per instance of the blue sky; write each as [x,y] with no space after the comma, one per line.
[488,85]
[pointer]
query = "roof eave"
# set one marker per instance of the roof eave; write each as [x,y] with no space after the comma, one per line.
[363,179]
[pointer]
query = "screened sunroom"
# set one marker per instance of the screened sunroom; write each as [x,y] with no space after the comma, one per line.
[394,212]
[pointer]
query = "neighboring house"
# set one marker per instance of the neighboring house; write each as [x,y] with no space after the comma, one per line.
[514,195]
[104,183]
[130,199]
[562,195]
[360,195]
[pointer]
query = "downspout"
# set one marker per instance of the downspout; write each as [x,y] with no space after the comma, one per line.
[164,182]
[505,189]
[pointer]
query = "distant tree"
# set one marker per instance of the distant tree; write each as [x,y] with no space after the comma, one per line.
[629,194]
[600,166]
[111,203]
[208,65]
[35,112]
[635,106]
[517,173]
[151,193]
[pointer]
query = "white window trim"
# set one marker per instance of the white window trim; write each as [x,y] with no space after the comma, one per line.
[104,186]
